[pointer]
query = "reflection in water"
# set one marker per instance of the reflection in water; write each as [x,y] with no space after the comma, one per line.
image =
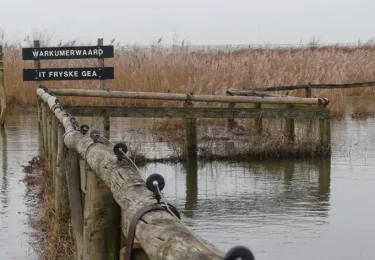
[4,184]
[257,204]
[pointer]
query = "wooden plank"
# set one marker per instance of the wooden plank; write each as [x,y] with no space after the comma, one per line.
[198,112]
[185,97]
[160,234]
[289,126]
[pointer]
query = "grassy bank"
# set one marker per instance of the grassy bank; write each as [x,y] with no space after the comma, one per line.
[54,240]
[212,72]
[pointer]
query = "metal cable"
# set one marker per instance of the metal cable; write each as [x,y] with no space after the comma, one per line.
[128,159]
[171,212]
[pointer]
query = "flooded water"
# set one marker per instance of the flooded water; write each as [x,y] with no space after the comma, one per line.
[289,209]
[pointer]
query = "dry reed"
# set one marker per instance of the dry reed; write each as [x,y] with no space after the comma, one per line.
[212,72]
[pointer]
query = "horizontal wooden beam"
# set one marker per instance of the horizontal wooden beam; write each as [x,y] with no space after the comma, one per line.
[185,97]
[318,86]
[198,112]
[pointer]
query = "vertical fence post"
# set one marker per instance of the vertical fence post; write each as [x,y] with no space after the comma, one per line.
[54,121]
[49,134]
[325,133]
[106,123]
[289,130]
[308,92]
[101,231]
[72,179]
[3,104]
[190,135]
[258,121]
[61,189]
[231,123]
[44,126]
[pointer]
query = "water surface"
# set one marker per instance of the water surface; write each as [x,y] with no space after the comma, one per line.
[288,209]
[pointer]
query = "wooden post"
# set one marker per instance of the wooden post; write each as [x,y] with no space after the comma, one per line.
[325,133]
[72,179]
[258,121]
[309,121]
[106,123]
[61,189]
[49,135]
[191,187]
[3,103]
[289,126]
[190,135]
[308,92]
[231,123]
[101,232]
[53,143]
[44,123]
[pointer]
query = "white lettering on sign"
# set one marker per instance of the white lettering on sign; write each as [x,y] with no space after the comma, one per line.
[62,74]
[89,73]
[57,53]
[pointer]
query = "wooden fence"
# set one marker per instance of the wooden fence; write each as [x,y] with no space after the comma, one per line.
[103,193]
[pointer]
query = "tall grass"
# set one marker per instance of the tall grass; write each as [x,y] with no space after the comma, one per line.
[211,72]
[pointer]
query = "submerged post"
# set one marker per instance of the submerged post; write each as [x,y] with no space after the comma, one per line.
[101,231]
[190,135]
[3,104]
[325,133]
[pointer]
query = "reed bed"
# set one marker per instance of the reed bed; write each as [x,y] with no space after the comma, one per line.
[182,70]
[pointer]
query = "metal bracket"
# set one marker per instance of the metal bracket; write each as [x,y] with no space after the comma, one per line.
[136,218]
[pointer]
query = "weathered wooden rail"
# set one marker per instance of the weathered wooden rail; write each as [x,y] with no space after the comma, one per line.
[285,107]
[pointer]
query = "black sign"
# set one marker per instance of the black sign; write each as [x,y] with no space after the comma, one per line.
[68,74]
[81,52]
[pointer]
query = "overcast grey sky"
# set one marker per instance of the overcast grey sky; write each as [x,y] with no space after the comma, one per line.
[197,21]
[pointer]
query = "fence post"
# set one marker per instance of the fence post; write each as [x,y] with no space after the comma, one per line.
[49,135]
[325,133]
[61,190]
[44,126]
[76,211]
[106,124]
[53,143]
[190,135]
[231,123]
[101,231]
[308,92]
[289,126]
[258,121]
[3,104]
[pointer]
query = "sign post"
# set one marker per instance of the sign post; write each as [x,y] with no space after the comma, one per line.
[106,123]
[99,72]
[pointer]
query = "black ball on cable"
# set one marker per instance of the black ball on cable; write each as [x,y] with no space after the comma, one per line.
[120,150]
[95,135]
[62,108]
[239,252]
[153,178]
[72,119]
[84,129]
